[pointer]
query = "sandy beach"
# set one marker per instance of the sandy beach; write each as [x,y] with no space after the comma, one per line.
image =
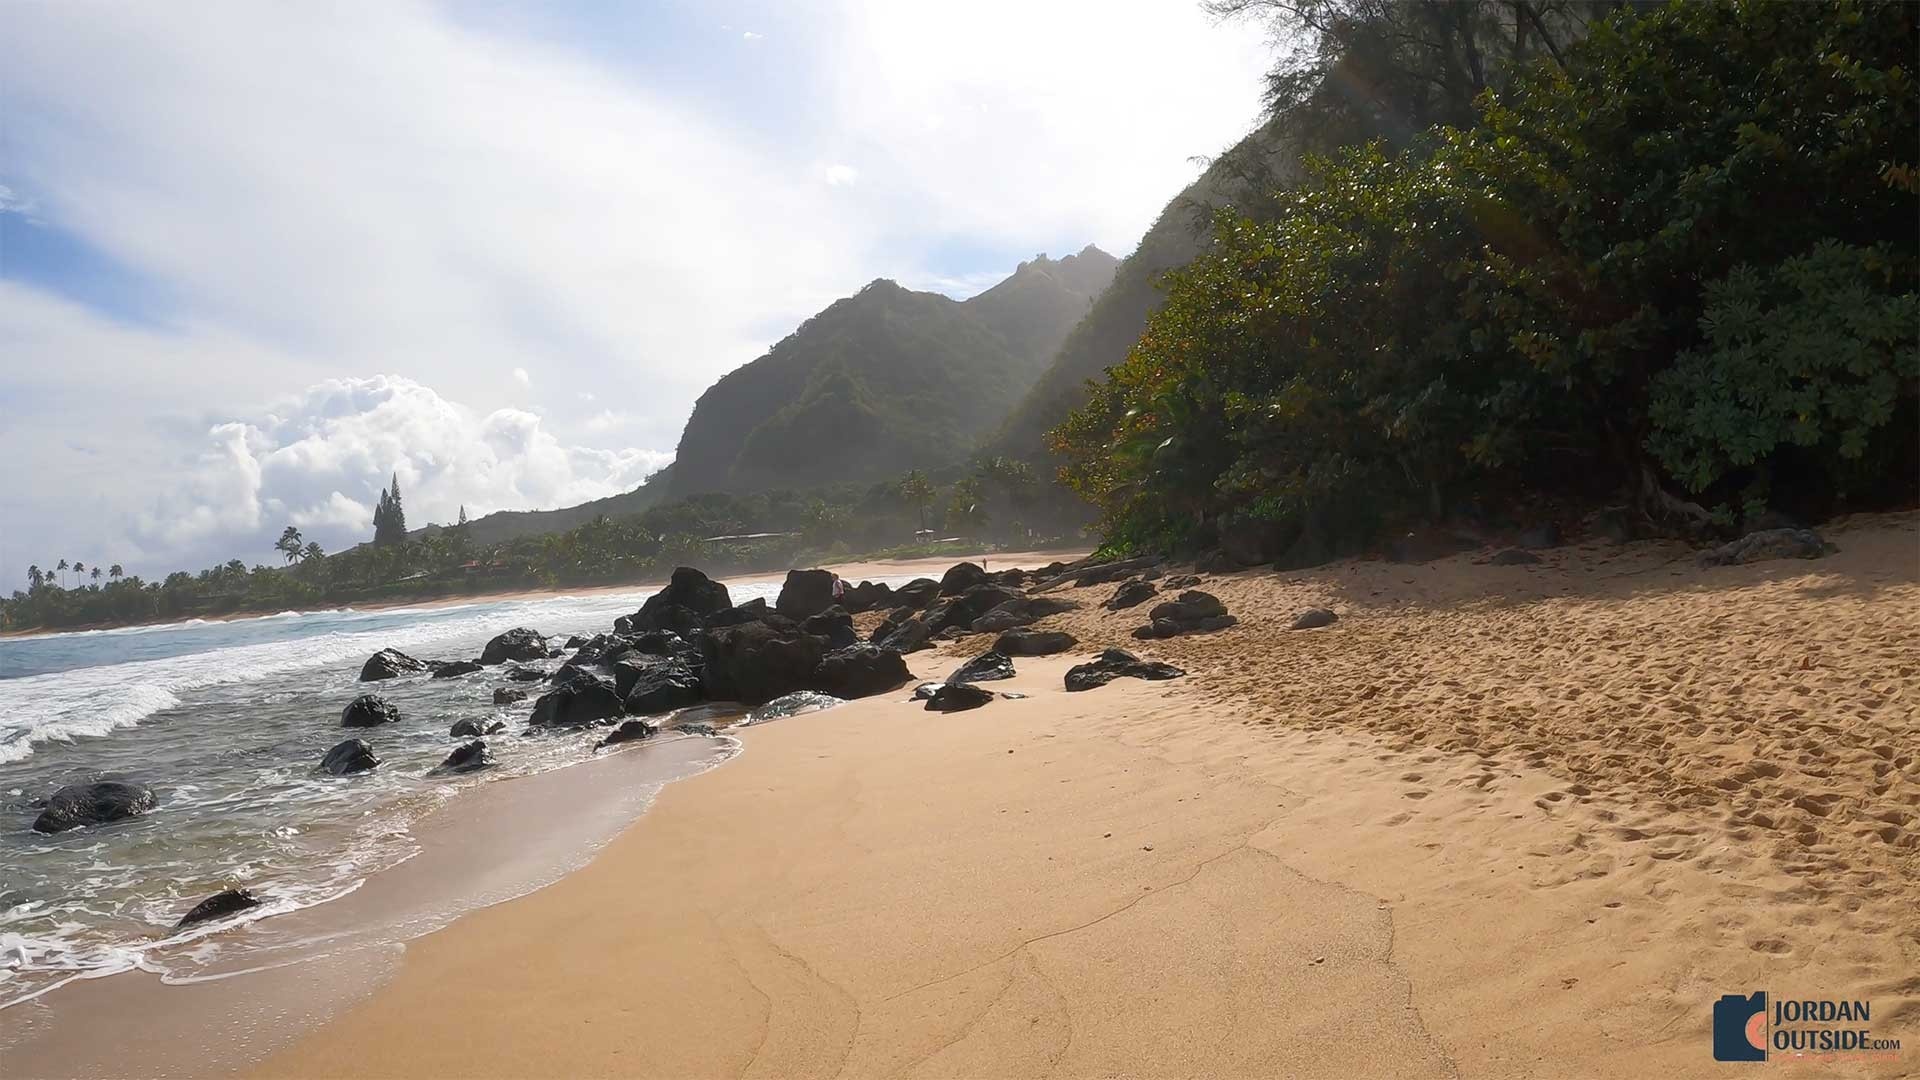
[1496,821]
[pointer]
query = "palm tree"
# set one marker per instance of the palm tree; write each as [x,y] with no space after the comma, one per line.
[33,576]
[62,567]
[96,575]
[312,551]
[115,572]
[289,544]
[79,570]
[916,489]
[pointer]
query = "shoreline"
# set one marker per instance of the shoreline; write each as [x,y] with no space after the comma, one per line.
[852,570]
[1503,821]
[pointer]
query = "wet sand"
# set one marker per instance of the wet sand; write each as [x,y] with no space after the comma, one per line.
[1496,821]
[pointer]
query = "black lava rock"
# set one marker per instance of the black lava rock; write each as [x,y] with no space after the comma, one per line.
[1114,664]
[79,805]
[860,671]
[219,906]
[516,644]
[369,710]
[456,669]
[351,756]
[389,664]
[473,729]
[628,731]
[582,702]
[1313,618]
[957,697]
[987,667]
[1029,642]
[1131,594]
[507,695]
[467,757]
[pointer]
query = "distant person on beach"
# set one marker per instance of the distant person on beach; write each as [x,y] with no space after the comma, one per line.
[839,588]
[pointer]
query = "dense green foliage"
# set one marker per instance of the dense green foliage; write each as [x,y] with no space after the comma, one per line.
[884,380]
[390,516]
[1686,257]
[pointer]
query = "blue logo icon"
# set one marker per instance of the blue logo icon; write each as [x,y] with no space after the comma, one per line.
[1740,1027]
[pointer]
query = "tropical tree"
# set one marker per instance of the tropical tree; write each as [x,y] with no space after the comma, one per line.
[62,567]
[289,544]
[312,551]
[918,490]
[33,576]
[115,572]
[96,574]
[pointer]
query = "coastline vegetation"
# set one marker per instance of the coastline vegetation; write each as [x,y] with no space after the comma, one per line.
[1671,260]
[998,501]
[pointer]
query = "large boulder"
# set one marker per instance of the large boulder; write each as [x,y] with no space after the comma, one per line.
[389,664]
[867,596]
[917,594]
[219,906]
[369,710]
[805,592]
[1113,664]
[689,599]
[664,687]
[1020,611]
[1131,594]
[456,669]
[467,757]
[754,610]
[962,610]
[519,643]
[1191,606]
[579,703]
[860,671]
[349,757]
[756,662]
[1029,642]
[911,635]
[79,805]
[960,577]
[834,624]
[1769,544]
[986,667]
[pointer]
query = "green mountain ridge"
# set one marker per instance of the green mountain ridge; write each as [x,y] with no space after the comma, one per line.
[883,381]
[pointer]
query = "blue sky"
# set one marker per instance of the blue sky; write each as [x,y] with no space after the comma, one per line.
[254,259]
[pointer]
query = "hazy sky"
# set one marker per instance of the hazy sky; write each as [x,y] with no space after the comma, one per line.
[255,258]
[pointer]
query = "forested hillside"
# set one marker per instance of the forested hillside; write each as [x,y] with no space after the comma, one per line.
[1669,263]
[884,381]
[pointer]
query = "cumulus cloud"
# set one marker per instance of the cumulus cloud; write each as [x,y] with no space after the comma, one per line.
[318,461]
[517,219]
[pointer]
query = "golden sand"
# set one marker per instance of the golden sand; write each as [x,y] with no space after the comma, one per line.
[1496,821]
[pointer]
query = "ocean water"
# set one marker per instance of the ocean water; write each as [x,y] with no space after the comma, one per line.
[226,721]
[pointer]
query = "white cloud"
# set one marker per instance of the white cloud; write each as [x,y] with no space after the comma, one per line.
[751,36]
[319,461]
[394,187]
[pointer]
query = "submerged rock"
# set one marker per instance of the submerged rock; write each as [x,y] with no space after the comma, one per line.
[389,664]
[467,757]
[218,906]
[507,695]
[470,728]
[519,643]
[794,704]
[628,731]
[957,697]
[78,805]
[351,756]
[525,674]
[456,668]
[369,710]
[987,667]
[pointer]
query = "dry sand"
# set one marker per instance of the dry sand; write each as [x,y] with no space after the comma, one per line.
[1496,821]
